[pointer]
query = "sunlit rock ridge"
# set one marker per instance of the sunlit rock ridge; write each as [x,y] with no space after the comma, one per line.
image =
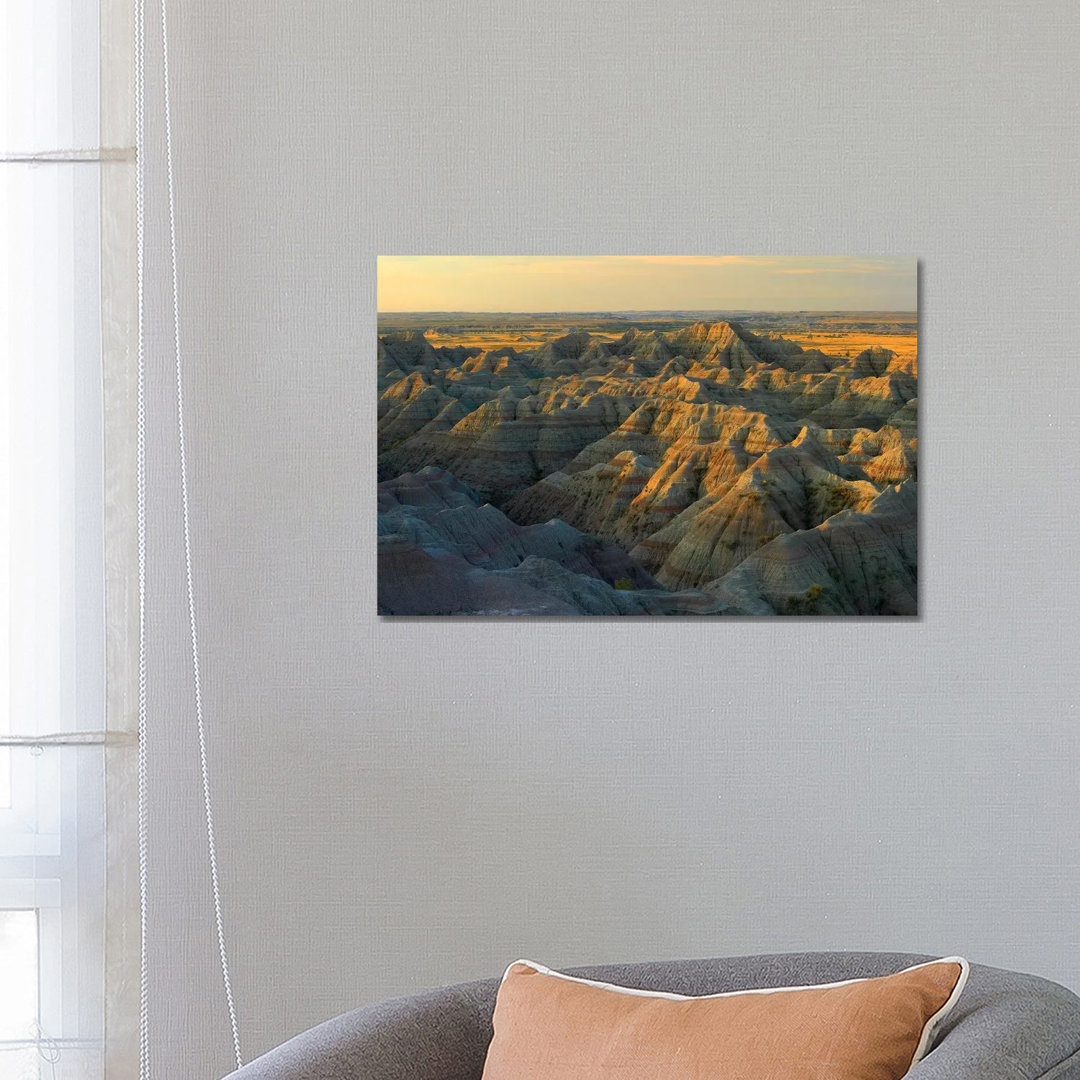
[703,470]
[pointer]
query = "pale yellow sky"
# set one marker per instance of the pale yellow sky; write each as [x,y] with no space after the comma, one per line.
[535,283]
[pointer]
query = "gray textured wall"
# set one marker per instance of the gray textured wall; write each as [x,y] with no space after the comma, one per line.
[409,803]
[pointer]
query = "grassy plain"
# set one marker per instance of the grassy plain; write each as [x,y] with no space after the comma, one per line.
[836,333]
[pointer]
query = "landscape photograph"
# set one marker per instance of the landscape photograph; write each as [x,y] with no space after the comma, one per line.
[647,435]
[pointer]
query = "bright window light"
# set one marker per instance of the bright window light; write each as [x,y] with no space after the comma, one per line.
[19,983]
[52,870]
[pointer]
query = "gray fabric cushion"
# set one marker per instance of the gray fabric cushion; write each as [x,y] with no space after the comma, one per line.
[1006,1026]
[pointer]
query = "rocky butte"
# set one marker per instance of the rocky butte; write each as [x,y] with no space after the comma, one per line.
[706,470]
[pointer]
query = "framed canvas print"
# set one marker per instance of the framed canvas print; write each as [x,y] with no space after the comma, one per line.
[647,435]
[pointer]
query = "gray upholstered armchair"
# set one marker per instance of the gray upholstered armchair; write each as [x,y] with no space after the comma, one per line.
[1006,1026]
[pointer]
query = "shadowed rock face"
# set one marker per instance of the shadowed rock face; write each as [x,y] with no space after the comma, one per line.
[443,552]
[706,470]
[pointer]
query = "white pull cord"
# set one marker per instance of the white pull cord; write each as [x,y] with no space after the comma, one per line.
[140,198]
[140,455]
[211,847]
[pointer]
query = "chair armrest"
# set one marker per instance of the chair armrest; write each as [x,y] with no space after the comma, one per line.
[1007,1027]
[438,1035]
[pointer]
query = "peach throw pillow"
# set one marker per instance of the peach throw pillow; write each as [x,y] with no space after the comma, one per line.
[550,1026]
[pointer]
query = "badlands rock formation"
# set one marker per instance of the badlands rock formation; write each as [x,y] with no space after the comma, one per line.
[704,470]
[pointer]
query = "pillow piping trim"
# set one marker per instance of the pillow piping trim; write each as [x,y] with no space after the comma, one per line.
[926,1036]
[931,1025]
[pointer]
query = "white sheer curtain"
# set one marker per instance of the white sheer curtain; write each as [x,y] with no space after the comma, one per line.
[52,546]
